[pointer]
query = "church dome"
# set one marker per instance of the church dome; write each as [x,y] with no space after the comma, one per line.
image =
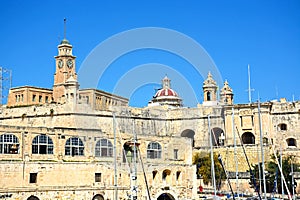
[65,41]
[166,95]
[164,92]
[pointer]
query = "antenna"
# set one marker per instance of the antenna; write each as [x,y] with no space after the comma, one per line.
[65,27]
[276,88]
[249,86]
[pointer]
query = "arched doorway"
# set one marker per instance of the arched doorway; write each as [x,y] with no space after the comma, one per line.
[165,196]
[189,134]
[33,198]
[127,152]
[248,138]
[217,136]
[98,197]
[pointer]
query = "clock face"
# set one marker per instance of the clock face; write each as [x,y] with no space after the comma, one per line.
[70,63]
[60,63]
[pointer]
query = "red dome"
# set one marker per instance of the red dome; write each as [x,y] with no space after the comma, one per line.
[165,92]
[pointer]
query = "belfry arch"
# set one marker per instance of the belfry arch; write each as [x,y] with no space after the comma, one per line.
[189,134]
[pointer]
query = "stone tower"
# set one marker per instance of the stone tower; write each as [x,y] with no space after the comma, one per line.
[226,94]
[210,91]
[65,68]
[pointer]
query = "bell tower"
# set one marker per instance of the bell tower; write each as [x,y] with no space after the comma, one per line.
[210,91]
[65,68]
[226,94]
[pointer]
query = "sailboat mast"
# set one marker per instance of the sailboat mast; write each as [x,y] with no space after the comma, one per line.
[249,85]
[212,157]
[235,153]
[281,177]
[134,171]
[262,149]
[115,160]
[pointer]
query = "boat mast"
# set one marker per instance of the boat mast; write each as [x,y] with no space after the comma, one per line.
[212,157]
[235,153]
[249,86]
[115,160]
[262,149]
[134,171]
[293,181]
[281,177]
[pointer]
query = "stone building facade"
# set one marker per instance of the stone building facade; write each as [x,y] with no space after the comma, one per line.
[59,143]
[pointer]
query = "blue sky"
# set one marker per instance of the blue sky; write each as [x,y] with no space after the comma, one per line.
[264,34]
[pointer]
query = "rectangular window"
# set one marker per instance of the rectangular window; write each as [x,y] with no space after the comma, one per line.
[175,154]
[40,99]
[33,97]
[33,178]
[97,177]
[241,121]
[46,99]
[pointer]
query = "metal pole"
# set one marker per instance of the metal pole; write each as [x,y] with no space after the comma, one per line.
[212,157]
[262,150]
[134,171]
[293,182]
[281,177]
[235,154]
[115,160]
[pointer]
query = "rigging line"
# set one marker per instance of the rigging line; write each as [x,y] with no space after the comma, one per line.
[280,169]
[251,172]
[226,173]
[145,177]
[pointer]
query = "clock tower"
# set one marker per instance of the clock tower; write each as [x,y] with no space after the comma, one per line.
[65,68]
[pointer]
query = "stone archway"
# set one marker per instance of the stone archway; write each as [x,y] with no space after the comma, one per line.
[32,198]
[189,134]
[248,138]
[98,197]
[217,140]
[165,196]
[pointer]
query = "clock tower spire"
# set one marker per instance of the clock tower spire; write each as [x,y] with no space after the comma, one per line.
[64,68]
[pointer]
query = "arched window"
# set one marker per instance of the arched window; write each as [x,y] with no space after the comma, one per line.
[166,175]
[9,144]
[104,148]
[282,127]
[42,144]
[154,150]
[265,141]
[248,138]
[189,134]
[154,174]
[208,96]
[291,142]
[74,147]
